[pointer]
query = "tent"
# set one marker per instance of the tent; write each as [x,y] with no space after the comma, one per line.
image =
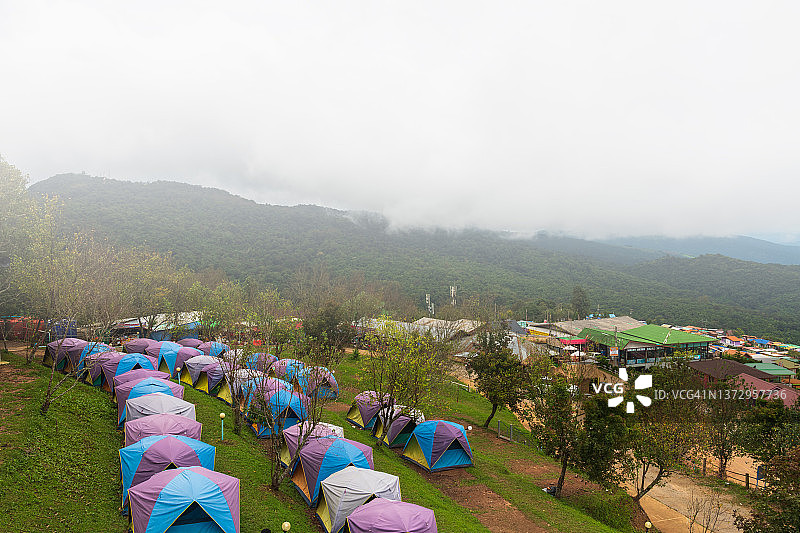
[390,516]
[57,351]
[173,356]
[213,381]
[286,369]
[259,386]
[139,373]
[207,374]
[292,436]
[190,371]
[69,353]
[364,410]
[138,345]
[400,428]
[157,403]
[139,461]
[190,343]
[319,381]
[130,361]
[92,348]
[345,490]
[214,349]
[261,361]
[164,353]
[94,368]
[140,387]
[161,424]
[320,458]
[286,408]
[439,445]
[186,500]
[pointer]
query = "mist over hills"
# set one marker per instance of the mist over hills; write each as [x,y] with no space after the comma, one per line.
[649,278]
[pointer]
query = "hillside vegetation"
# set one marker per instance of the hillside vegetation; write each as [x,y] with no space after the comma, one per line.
[209,228]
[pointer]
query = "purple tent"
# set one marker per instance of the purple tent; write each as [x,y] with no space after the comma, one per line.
[139,373]
[94,364]
[62,350]
[214,349]
[439,445]
[292,435]
[138,345]
[162,424]
[154,454]
[191,368]
[286,368]
[109,367]
[184,354]
[320,458]
[186,499]
[390,516]
[261,361]
[364,410]
[141,387]
[129,361]
[190,343]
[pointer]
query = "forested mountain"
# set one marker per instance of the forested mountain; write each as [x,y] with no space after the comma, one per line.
[206,227]
[739,247]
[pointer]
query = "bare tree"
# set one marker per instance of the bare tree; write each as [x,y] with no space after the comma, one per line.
[703,511]
[406,368]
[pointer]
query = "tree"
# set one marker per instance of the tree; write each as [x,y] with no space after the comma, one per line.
[777,509]
[553,415]
[602,440]
[327,332]
[771,429]
[724,424]
[580,302]
[498,374]
[662,435]
[406,368]
[68,281]
[16,216]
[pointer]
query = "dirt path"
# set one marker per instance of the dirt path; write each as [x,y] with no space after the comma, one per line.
[493,511]
[668,505]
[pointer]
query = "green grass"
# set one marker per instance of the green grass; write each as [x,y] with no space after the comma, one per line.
[60,472]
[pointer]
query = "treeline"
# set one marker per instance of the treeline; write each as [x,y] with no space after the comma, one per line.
[207,228]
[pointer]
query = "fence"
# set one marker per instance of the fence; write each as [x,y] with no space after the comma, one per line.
[512,433]
[709,468]
[458,389]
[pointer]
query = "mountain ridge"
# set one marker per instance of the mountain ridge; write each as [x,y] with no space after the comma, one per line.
[209,228]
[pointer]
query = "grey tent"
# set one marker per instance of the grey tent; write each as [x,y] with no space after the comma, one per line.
[158,403]
[193,367]
[345,490]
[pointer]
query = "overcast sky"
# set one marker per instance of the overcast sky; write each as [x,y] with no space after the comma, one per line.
[591,118]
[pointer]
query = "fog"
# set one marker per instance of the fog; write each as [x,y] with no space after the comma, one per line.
[589,118]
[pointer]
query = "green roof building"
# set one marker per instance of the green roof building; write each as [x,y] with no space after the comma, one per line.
[772,369]
[646,345]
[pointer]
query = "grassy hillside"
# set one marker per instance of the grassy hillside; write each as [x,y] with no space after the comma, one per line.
[60,472]
[205,227]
